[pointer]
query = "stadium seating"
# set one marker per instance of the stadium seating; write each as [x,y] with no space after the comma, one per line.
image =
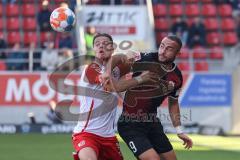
[230,38]
[159,10]
[44,36]
[216,53]
[1,23]
[29,24]
[209,10]
[228,24]
[30,37]
[201,66]
[211,24]
[94,2]
[28,9]
[1,10]
[199,53]
[27,1]
[214,38]
[184,53]
[206,1]
[160,35]
[13,23]
[162,24]
[225,10]
[192,10]
[13,37]
[175,1]
[176,10]
[12,9]
[184,66]
[191,1]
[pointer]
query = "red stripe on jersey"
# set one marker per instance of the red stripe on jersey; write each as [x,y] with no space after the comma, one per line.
[93,72]
[89,114]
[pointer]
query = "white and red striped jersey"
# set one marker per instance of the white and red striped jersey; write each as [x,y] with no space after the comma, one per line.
[91,101]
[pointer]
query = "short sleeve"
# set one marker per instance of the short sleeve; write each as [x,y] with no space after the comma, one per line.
[93,71]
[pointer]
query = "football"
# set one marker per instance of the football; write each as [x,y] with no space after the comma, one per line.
[62,19]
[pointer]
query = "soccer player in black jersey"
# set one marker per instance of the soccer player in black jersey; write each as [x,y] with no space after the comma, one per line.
[138,124]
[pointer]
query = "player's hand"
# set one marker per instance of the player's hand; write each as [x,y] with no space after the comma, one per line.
[104,78]
[187,141]
[149,77]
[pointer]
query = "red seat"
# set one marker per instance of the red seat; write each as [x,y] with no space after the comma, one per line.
[159,10]
[30,37]
[161,24]
[216,53]
[230,38]
[214,38]
[14,37]
[12,9]
[1,10]
[1,23]
[191,1]
[199,53]
[128,2]
[225,10]
[160,36]
[2,66]
[207,1]
[29,24]
[209,10]
[184,53]
[201,66]
[59,1]
[176,10]
[192,10]
[46,36]
[94,2]
[211,24]
[184,66]
[13,23]
[28,9]
[28,1]
[228,24]
[175,1]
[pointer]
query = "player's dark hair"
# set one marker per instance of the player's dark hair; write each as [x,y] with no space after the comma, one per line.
[102,35]
[175,39]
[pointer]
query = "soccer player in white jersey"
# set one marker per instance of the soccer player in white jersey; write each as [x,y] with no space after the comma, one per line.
[94,137]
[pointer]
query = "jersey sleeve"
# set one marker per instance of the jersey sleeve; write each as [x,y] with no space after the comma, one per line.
[178,81]
[93,71]
[175,93]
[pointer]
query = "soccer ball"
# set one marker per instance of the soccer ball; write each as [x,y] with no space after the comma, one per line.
[62,19]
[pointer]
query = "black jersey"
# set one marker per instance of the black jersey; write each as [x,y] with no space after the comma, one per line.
[144,99]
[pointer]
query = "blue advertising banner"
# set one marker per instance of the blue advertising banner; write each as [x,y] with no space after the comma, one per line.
[207,90]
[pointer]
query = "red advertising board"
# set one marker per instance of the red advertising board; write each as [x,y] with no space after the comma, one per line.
[33,89]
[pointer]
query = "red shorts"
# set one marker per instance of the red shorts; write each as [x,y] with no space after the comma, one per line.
[106,148]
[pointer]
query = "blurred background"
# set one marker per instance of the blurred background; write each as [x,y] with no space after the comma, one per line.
[30,50]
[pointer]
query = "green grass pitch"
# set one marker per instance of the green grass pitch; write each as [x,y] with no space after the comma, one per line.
[59,147]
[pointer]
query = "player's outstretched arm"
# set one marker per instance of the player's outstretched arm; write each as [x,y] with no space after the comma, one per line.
[174,112]
[123,84]
[121,59]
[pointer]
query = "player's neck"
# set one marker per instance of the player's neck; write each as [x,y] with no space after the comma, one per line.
[168,66]
[102,61]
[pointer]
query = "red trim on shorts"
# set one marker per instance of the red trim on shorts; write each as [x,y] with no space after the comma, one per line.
[89,114]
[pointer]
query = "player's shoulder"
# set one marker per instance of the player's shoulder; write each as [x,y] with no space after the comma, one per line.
[178,72]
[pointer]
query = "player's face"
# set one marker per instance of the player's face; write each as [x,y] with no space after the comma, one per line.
[168,50]
[103,47]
